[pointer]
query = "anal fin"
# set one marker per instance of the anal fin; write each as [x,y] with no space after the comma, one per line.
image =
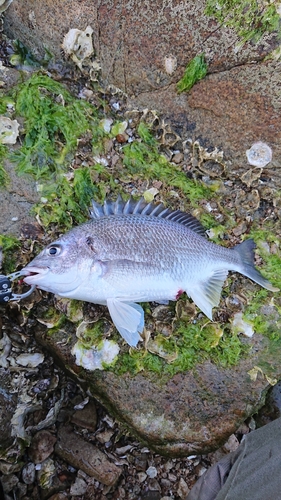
[128,318]
[206,295]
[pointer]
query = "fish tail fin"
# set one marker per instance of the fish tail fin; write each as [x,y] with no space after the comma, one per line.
[246,253]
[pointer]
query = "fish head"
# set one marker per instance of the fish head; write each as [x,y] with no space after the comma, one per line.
[60,268]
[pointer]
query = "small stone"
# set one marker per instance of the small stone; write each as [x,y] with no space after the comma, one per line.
[28,473]
[151,472]
[87,457]
[79,487]
[183,489]
[231,444]
[46,474]
[142,476]
[178,158]
[42,446]
[172,478]
[87,417]
[9,482]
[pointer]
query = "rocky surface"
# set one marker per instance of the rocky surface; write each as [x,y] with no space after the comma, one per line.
[238,103]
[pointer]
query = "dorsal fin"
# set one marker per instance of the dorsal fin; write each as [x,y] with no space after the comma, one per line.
[141,207]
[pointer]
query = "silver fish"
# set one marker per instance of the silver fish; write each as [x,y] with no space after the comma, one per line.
[137,252]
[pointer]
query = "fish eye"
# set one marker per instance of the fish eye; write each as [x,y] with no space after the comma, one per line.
[53,250]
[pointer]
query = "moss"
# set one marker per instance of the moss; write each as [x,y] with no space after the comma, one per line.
[9,244]
[195,71]
[250,19]
[194,343]
[264,313]
[94,335]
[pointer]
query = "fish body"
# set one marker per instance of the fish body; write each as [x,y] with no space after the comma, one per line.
[136,252]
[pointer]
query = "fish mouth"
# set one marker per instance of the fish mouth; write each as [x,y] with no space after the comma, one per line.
[33,273]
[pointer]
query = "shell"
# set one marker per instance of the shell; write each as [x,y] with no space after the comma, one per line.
[9,130]
[259,155]
[170,64]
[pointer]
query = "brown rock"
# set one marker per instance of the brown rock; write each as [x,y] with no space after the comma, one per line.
[192,413]
[87,417]
[85,456]
[42,446]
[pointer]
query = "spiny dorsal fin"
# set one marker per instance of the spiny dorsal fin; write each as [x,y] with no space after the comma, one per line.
[141,207]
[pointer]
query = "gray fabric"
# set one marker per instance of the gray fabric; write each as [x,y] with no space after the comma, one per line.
[252,472]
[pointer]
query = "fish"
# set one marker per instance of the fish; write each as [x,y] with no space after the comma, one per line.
[132,251]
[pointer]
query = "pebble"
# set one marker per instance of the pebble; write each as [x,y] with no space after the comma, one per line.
[42,446]
[28,473]
[183,489]
[151,472]
[79,487]
[87,417]
[9,482]
[85,456]
[177,158]
[142,476]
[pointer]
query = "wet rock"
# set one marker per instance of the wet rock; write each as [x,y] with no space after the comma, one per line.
[236,105]
[192,413]
[9,482]
[79,487]
[183,489]
[42,446]
[28,473]
[8,402]
[87,417]
[85,456]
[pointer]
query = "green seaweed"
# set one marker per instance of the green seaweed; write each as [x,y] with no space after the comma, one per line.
[142,159]
[249,18]
[54,121]
[195,71]
[94,335]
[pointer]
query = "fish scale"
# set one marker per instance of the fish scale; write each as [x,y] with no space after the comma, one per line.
[135,251]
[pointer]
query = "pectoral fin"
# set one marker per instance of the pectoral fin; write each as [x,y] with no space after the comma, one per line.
[206,295]
[128,318]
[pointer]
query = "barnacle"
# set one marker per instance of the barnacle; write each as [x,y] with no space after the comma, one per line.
[170,64]
[259,155]
[9,130]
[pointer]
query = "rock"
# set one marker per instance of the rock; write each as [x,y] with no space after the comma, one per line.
[79,487]
[42,446]
[192,413]
[28,473]
[87,457]
[87,417]
[8,403]
[183,489]
[236,105]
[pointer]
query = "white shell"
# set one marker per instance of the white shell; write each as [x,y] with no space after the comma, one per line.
[4,4]
[9,130]
[93,359]
[170,64]
[78,44]
[259,155]
[240,326]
